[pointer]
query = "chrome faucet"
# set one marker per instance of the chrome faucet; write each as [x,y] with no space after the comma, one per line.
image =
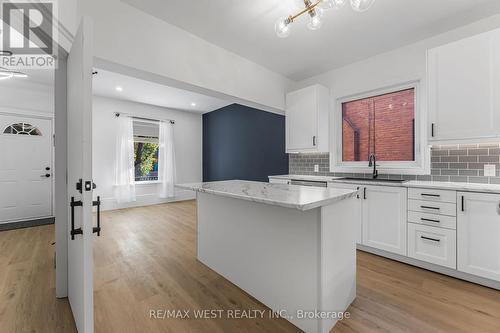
[372,161]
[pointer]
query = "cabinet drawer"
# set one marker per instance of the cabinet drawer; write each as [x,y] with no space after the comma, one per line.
[435,220]
[441,208]
[432,195]
[431,244]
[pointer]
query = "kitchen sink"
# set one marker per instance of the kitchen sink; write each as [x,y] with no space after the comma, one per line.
[397,181]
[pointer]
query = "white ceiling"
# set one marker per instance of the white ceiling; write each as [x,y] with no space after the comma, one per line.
[147,92]
[247,28]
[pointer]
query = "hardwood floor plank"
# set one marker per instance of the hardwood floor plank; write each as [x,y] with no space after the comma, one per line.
[145,260]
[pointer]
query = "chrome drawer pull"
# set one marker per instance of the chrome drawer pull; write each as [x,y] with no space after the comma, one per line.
[430,195]
[429,220]
[428,207]
[431,239]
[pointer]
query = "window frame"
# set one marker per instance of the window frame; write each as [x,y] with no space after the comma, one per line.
[422,150]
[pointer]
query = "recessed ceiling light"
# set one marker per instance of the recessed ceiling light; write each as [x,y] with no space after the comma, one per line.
[118,88]
[193,104]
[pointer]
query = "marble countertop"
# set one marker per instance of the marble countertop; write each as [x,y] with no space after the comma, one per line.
[289,196]
[306,177]
[452,186]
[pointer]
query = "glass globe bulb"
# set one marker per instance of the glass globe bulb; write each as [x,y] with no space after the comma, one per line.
[315,22]
[361,5]
[336,4]
[282,27]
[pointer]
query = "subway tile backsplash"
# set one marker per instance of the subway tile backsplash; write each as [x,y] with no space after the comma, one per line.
[456,163]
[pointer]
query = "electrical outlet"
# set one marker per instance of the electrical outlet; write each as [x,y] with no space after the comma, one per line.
[489,170]
[316,168]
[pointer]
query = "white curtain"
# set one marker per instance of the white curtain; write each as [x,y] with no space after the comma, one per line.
[166,160]
[124,168]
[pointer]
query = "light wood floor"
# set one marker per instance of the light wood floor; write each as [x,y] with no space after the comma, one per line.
[145,260]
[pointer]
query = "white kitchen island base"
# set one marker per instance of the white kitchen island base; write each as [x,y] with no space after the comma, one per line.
[294,261]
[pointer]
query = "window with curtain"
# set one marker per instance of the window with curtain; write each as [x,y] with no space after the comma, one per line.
[146,148]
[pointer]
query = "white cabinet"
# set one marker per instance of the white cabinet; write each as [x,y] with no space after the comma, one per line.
[358,213]
[381,216]
[464,89]
[432,244]
[478,234]
[384,218]
[307,120]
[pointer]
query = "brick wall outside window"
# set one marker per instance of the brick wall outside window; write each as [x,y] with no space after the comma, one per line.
[382,125]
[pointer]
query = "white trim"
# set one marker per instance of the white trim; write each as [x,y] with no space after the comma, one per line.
[422,150]
[9,111]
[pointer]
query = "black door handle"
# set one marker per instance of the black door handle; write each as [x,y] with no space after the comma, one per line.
[97,203]
[74,231]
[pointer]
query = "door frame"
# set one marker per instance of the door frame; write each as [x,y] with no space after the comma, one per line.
[13,112]
[60,171]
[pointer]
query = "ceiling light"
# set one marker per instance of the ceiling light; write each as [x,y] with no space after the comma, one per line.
[119,89]
[314,8]
[193,104]
[7,74]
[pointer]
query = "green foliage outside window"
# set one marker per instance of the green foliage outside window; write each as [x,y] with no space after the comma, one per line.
[145,155]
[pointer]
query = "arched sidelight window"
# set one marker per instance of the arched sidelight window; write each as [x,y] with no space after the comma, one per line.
[22,129]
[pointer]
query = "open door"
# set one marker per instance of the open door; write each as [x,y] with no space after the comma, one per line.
[80,185]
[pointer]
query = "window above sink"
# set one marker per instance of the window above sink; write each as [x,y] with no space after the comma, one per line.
[386,123]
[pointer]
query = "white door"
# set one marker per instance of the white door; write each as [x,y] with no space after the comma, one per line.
[478,234]
[80,286]
[384,218]
[302,119]
[464,78]
[25,168]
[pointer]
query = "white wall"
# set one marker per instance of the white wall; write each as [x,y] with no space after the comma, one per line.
[16,94]
[132,38]
[397,66]
[188,146]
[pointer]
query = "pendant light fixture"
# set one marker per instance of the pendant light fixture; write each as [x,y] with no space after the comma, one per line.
[314,9]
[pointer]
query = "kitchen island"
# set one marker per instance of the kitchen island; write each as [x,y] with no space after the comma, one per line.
[291,247]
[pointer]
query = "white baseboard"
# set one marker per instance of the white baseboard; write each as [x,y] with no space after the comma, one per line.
[146,200]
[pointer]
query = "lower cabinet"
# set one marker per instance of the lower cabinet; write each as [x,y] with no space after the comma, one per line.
[358,217]
[381,216]
[478,234]
[384,218]
[432,244]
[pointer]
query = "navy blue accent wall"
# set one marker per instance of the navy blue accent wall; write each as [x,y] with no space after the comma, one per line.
[240,142]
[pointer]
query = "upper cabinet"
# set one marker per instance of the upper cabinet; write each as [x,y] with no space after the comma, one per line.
[307,120]
[464,89]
